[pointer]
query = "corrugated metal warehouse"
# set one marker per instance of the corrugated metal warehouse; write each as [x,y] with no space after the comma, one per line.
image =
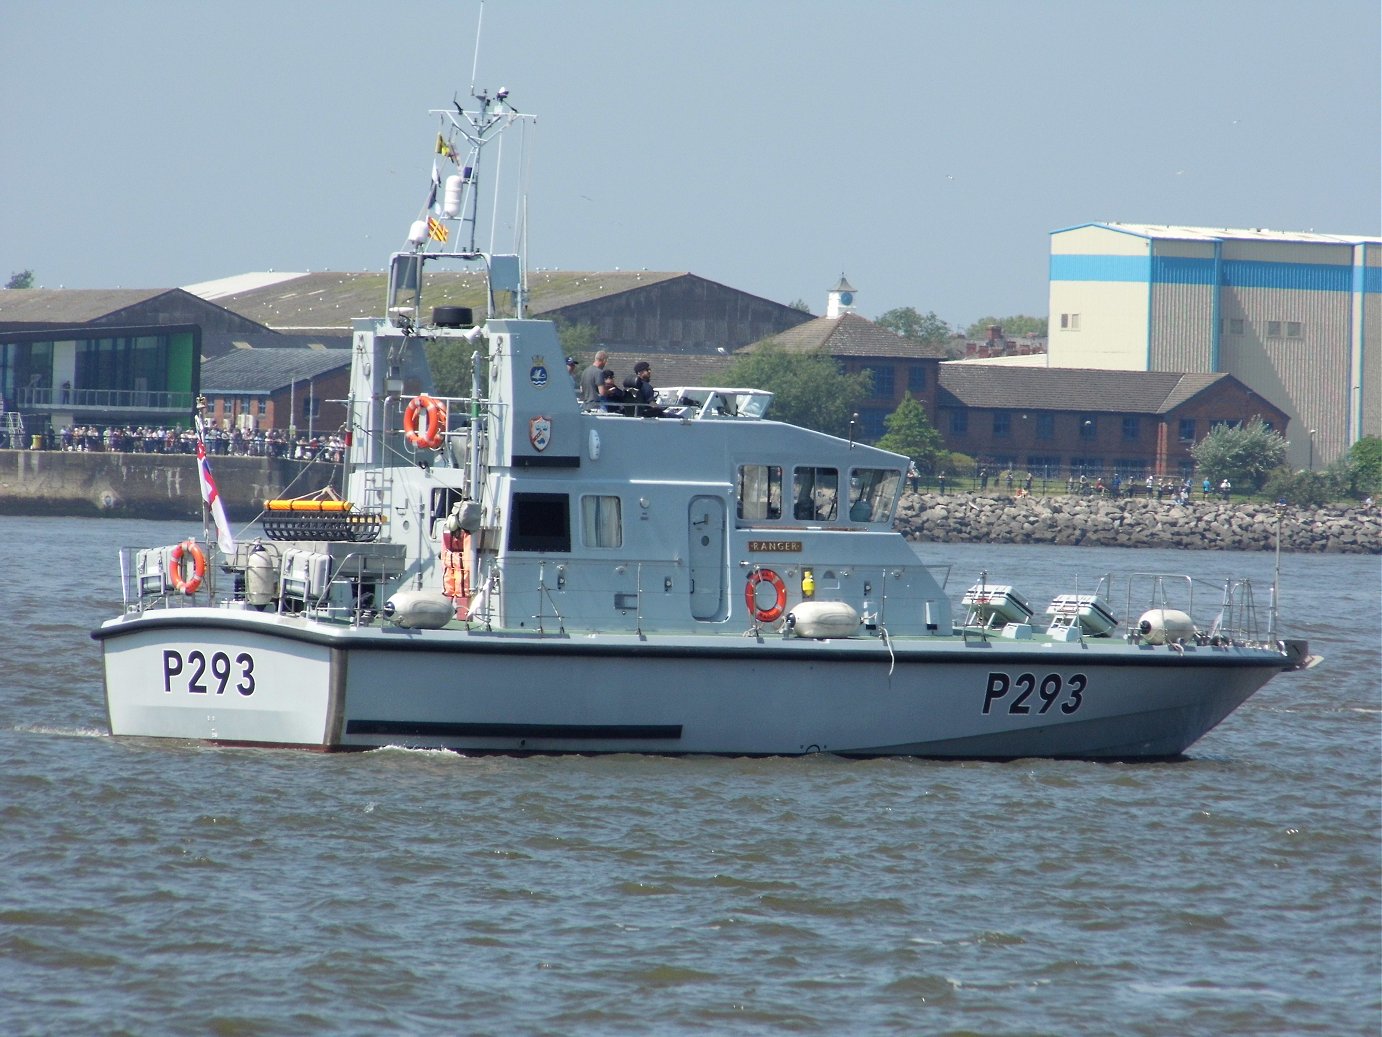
[1296,317]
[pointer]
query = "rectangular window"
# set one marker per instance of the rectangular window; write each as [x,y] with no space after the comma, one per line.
[540,522]
[1294,329]
[263,407]
[601,522]
[1046,427]
[311,407]
[1002,424]
[916,378]
[760,492]
[1089,426]
[815,494]
[959,422]
[1274,329]
[872,423]
[883,382]
[1235,326]
[872,492]
[1070,321]
[1131,428]
[1187,430]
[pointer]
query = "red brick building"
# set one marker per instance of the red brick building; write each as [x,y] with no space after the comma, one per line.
[1057,422]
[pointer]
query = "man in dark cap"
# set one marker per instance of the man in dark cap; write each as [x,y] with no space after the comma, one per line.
[641,391]
[574,376]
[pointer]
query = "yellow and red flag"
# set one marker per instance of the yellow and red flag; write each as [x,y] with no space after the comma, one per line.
[436,230]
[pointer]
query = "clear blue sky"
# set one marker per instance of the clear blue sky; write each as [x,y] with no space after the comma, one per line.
[926,149]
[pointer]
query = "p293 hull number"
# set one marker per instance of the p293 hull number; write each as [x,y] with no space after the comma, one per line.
[1028,693]
[200,673]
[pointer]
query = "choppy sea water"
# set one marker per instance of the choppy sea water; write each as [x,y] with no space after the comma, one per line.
[150,888]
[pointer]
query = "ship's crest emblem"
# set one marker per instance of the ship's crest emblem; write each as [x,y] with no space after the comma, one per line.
[540,432]
[537,372]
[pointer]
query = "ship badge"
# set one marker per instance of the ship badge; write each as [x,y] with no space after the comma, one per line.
[540,432]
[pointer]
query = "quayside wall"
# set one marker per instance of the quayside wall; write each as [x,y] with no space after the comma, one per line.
[164,486]
[1137,522]
[150,486]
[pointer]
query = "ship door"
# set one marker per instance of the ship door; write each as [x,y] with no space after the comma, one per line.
[706,558]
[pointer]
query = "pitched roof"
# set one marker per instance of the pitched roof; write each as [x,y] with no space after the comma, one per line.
[260,371]
[68,306]
[332,299]
[850,335]
[34,309]
[1069,389]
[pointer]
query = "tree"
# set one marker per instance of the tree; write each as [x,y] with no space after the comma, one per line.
[576,339]
[910,324]
[800,304]
[1364,460]
[1245,455]
[910,432]
[809,389]
[1017,325]
[22,279]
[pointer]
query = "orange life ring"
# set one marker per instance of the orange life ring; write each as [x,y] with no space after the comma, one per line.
[436,422]
[189,585]
[751,595]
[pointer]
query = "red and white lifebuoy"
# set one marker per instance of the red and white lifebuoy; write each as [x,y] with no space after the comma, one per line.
[773,580]
[430,436]
[187,584]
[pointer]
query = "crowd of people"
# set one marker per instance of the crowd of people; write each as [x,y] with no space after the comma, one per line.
[220,442]
[1181,490]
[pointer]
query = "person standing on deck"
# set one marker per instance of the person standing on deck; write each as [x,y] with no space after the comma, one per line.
[593,377]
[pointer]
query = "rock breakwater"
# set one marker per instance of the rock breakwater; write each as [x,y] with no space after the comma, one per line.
[1125,522]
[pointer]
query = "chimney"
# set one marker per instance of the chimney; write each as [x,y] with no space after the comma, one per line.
[995,333]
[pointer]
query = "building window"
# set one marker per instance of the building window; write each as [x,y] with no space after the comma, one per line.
[1090,467]
[1045,465]
[959,422]
[1235,325]
[1131,429]
[883,382]
[916,378]
[873,423]
[1002,424]
[1070,321]
[311,407]
[1187,430]
[601,524]
[1046,427]
[1294,329]
[1274,329]
[1089,426]
[263,407]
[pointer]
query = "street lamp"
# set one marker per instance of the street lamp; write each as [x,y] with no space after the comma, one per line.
[1312,450]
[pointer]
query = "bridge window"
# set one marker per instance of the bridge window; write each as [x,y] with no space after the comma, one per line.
[760,492]
[872,492]
[815,494]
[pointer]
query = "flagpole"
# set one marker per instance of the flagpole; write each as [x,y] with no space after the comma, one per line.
[197,419]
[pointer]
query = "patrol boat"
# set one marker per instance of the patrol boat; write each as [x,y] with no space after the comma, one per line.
[511,572]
